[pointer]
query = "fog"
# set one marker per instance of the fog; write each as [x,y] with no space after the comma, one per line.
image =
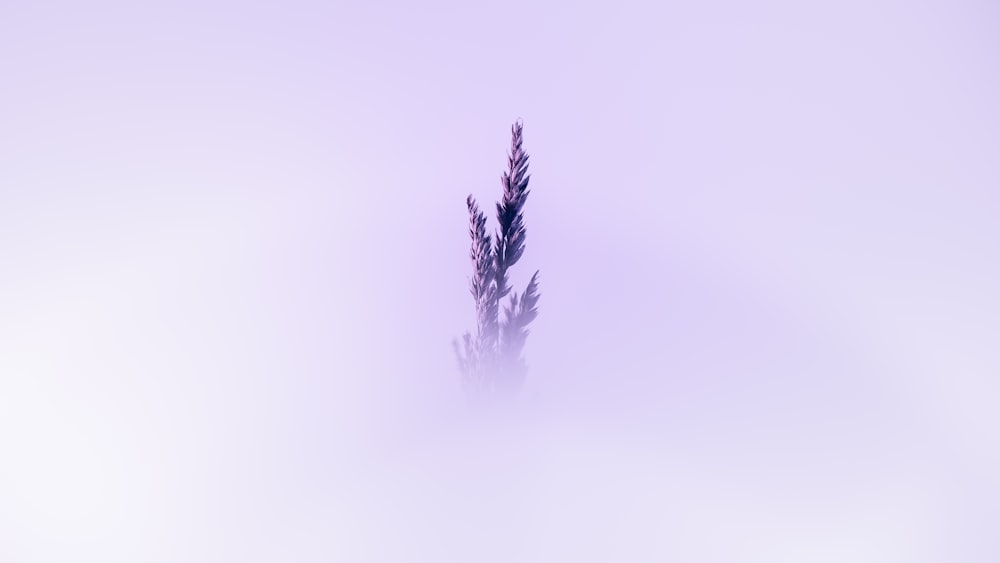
[235,254]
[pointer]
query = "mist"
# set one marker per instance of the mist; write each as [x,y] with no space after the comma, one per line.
[235,255]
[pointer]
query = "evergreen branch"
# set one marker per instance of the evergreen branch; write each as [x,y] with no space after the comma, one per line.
[510,239]
[492,358]
[519,314]
[482,285]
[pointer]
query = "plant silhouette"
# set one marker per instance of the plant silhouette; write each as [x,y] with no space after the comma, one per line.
[490,361]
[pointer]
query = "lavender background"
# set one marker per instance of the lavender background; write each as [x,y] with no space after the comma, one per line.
[234,256]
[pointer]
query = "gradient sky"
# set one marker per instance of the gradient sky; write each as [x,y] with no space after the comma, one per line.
[234,255]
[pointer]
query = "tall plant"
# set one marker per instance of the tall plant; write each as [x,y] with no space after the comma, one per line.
[491,360]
